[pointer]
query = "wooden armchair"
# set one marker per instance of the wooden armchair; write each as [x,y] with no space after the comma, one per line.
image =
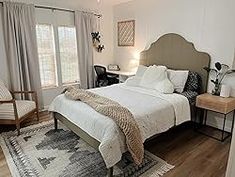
[15,111]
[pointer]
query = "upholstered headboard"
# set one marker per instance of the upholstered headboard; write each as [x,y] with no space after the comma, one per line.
[173,51]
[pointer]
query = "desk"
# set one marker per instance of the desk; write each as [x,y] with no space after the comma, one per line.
[123,75]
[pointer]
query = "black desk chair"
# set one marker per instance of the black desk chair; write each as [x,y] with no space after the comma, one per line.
[103,78]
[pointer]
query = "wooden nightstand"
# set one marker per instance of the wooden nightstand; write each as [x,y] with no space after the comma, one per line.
[219,105]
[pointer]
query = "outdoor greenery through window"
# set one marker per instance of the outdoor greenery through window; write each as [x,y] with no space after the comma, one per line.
[58,59]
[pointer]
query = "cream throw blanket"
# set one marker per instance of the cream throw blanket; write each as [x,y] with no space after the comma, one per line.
[121,115]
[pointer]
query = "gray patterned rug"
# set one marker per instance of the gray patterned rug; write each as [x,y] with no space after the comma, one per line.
[43,152]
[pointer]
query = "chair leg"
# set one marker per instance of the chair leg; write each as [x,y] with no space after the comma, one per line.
[110,172]
[18,128]
[37,115]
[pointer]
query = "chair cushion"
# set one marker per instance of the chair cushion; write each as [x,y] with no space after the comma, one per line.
[23,107]
[4,92]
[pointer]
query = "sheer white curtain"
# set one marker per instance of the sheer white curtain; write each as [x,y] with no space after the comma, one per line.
[85,24]
[21,46]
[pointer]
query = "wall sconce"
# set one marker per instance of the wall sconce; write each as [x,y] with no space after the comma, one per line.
[136,55]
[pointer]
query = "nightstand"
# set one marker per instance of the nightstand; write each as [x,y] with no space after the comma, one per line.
[217,104]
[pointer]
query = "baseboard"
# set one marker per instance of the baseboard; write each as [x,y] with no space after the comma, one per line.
[45,108]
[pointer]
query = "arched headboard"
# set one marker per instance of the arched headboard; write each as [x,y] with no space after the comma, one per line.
[173,51]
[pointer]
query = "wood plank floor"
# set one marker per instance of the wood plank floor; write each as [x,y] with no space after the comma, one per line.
[193,154]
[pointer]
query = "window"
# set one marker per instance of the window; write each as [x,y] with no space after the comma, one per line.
[58,59]
[46,52]
[68,54]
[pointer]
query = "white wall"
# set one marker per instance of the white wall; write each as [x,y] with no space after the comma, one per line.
[231,162]
[106,28]
[209,24]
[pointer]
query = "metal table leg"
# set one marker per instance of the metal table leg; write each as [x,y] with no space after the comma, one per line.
[233,122]
[225,117]
[110,172]
[203,122]
[206,112]
[55,123]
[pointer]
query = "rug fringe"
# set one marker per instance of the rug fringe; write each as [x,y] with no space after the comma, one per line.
[9,160]
[157,171]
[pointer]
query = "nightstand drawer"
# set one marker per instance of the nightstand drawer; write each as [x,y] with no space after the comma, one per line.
[215,103]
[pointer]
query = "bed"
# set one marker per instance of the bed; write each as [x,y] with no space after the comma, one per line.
[154,112]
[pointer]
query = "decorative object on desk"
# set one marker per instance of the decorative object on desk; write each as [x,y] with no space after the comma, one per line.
[96,41]
[113,67]
[218,74]
[126,33]
[225,91]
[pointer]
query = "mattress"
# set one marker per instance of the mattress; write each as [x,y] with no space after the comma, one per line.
[154,113]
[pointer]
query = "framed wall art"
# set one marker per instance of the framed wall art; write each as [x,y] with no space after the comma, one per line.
[126,33]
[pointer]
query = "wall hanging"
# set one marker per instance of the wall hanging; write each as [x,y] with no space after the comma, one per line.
[126,33]
[96,38]
[96,41]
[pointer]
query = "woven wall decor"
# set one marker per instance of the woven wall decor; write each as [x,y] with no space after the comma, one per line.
[126,33]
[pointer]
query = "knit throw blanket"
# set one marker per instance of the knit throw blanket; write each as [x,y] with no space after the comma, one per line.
[121,115]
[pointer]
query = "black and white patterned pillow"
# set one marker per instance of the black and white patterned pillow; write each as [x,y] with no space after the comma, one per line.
[192,87]
[193,82]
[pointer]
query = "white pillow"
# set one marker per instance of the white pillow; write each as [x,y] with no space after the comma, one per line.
[151,76]
[133,81]
[165,86]
[141,70]
[178,79]
[155,77]
[5,95]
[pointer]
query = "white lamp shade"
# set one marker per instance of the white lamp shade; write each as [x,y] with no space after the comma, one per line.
[225,91]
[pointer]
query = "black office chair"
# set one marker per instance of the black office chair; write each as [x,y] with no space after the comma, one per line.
[104,79]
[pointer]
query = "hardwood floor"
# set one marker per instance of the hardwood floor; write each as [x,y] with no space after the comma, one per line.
[193,154]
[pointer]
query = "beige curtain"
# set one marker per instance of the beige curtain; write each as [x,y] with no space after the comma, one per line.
[21,47]
[85,24]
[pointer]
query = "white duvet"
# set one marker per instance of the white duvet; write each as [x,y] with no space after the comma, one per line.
[154,113]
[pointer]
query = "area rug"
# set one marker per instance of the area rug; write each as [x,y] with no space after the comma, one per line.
[41,151]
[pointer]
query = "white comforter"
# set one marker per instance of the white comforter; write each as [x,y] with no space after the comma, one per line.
[154,112]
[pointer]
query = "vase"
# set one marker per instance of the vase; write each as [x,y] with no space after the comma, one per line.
[216,90]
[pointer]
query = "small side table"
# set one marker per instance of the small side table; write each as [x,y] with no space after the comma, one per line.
[219,105]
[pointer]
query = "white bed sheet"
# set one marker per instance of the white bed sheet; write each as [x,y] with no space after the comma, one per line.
[154,113]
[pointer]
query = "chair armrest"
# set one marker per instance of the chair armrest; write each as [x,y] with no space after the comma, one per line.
[23,92]
[32,93]
[7,101]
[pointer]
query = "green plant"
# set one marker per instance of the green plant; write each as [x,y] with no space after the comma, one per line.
[218,74]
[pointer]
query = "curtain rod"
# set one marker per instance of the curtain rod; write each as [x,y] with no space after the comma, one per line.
[60,9]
